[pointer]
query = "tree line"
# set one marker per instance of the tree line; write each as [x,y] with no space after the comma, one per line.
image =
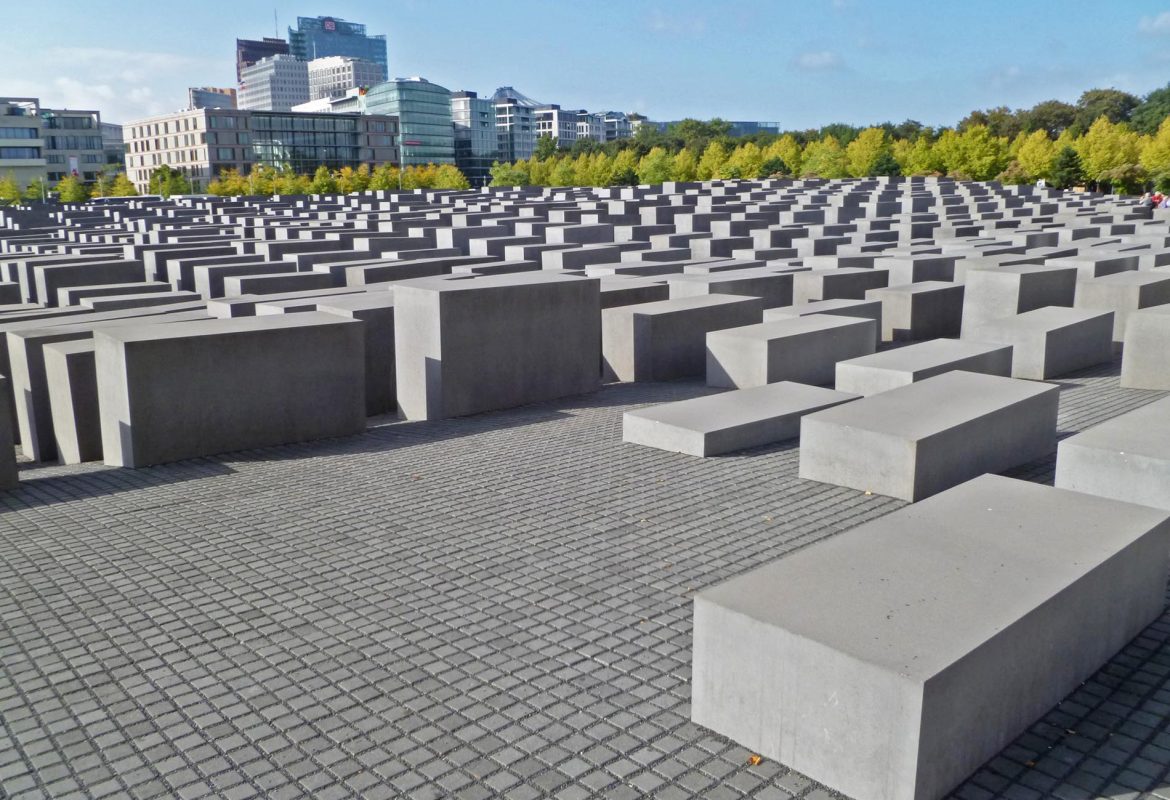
[1109,139]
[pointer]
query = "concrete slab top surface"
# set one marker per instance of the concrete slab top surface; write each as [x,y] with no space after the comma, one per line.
[1048,318]
[936,404]
[1144,432]
[1127,278]
[793,326]
[459,283]
[925,355]
[741,406]
[217,327]
[917,590]
[681,304]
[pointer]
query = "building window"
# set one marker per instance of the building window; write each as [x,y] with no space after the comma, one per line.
[20,152]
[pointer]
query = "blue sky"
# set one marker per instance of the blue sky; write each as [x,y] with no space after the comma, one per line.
[803,63]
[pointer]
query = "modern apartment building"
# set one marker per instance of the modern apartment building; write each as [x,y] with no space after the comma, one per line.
[320,37]
[276,83]
[333,76]
[591,126]
[560,124]
[249,51]
[204,142]
[515,124]
[47,143]
[476,146]
[423,111]
[617,126]
[210,97]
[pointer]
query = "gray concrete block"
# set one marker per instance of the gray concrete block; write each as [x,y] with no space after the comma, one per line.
[73,400]
[864,309]
[773,288]
[892,660]
[846,283]
[802,349]
[73,295]
[466,345]
[915,312]
[1003,291]
[137,300]
[170,392]
[1123,293]
[1050,342]
[9,477]
[722,423]
[376,312]
[902,366]
[667,340]
[1125,458]
[617,290]
[1145,361]
[275,283]
[926,437]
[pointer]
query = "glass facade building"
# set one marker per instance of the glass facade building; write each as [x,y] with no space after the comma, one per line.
[475,136]
[423,110]
[319,37]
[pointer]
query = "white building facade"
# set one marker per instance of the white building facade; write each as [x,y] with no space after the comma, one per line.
[334,76]
[276,83]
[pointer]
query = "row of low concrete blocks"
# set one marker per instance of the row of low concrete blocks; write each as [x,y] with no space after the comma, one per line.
[893,660]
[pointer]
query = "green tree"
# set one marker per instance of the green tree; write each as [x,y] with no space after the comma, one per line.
[744,161]
[864,151]
[1107,146]
[562,173]
[685,166]
[1001,121]
[824,158]
[1067,171]
[787,149]
[886,165]
[1114,105]
[1051,116]
[167,181]
[695,135]
[506,174]
[1155,155]
[384,178]
[323,182]
[656,166]
[37,190]
[625,169]
[1035,153]
[711,162]
[448,176]
[9,190]
[774,166]
[1154,109]
[71,190]
[546,147]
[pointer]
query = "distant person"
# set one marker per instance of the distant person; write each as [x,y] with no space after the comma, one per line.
[1041,184]
[1157,199]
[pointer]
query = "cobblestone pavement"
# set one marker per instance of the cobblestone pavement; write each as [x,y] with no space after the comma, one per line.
[496,606]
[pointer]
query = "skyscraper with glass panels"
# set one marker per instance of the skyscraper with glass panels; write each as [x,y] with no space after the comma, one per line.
[423,110]
[320,37]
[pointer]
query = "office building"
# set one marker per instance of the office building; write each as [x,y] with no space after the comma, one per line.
[476,146]
[333,76]
[202,143]
[320,37]
[561,125]
[114,147]
[423,111]
[211,97]
[22,148]
[48,143]
[249,51]
[276,83]
[515,124]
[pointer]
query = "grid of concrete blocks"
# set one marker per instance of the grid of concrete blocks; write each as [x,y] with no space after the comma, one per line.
[909,337]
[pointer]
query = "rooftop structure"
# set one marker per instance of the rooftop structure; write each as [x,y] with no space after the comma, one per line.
[320,37]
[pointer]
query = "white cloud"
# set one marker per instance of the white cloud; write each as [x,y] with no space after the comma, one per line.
[121,84]
[819,61]
[1158,26]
